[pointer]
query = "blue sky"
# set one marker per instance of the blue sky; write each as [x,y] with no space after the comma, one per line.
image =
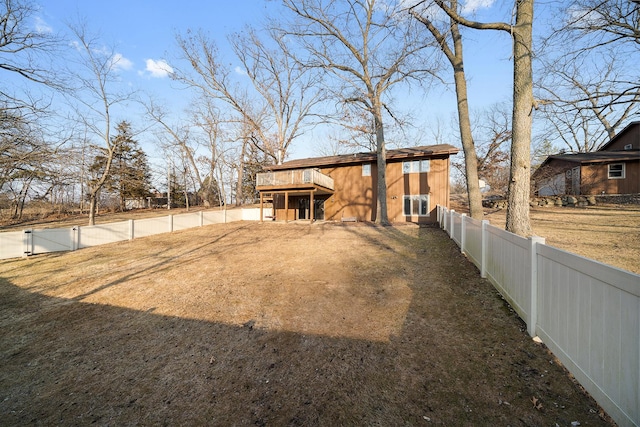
[144,32]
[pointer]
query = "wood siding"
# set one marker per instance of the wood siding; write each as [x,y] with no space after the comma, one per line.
[595,179]
[630,136]
[355,195]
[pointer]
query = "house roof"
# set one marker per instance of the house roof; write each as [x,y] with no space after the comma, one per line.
[345,159]
[598,156]
[590,158]
[628,128]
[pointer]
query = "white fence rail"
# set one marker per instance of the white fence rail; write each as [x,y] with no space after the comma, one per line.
[102,234]
[586,312]
[15,244]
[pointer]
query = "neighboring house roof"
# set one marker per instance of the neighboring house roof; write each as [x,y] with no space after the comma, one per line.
[402,153]
[619,135]
[600,156]
[591,158]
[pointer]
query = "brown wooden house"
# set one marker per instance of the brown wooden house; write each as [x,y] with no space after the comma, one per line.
[344,188]
[613,169]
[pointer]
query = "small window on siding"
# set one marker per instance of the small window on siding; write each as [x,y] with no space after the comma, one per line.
[366,169]
[616,171]
[406,167]
[416,166]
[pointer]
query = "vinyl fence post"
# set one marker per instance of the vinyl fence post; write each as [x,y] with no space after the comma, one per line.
[533,285]
[201,218]
[74,238]
[131,229]
[484,245]
[27,243]
[451,212]
[170,223]
[445,219]
[463,230]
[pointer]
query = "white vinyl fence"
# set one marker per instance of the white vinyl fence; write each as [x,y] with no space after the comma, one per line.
[586,312]
[15,244]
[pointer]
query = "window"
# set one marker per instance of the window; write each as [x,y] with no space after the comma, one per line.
[416,166]
[366,169]
[616,171]
[416,205]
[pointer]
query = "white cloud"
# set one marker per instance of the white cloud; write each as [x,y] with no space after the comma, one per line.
[41,26]
[471,6]
[159,68]
[586,17]
[240,71]
[119,62]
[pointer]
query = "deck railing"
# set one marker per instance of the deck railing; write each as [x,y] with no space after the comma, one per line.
[294,177]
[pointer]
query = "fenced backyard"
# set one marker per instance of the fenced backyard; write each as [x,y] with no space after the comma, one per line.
[272,324]
[29,242]
[586,312]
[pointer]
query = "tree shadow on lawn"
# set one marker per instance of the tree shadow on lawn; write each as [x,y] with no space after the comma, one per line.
[461,357]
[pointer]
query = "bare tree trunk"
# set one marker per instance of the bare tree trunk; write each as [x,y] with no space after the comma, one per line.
[92,208]
[381,151]
[518,220]
[95,190]
[470,157]
[456,59]
[239,190]
[169,189]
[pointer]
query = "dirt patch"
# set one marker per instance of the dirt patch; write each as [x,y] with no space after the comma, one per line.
[272,324]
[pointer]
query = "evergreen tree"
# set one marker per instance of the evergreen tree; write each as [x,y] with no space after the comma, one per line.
[129,175]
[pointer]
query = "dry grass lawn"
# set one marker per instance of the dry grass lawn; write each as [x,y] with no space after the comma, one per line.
[606,233]
[272,324]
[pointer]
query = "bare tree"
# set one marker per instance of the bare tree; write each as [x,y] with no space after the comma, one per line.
[598,23]
[494,135]
[25,52]
[208,119]
[175,136]
[586,101]
[289,91]
[492,128]
[590,85]
[199,143]
[447,37]
[278,98]
[368,47]
[521,32]
[94,97]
